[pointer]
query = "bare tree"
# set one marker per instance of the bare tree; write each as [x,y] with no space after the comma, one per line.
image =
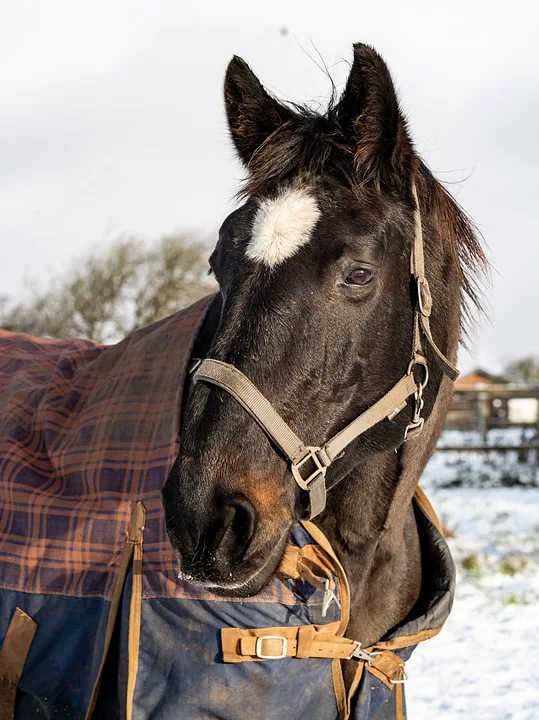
[524,370]
[105,296]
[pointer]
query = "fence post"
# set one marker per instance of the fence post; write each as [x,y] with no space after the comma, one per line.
[484,412]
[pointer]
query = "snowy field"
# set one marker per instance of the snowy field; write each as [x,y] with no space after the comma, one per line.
[485,663]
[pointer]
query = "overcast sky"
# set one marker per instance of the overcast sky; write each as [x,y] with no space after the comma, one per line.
[111,120]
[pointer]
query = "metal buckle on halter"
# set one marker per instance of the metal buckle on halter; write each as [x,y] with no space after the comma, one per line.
[262,656]
[320,468]
[424,297]
[194,365]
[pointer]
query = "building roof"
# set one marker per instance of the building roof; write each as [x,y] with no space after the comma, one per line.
[479,376]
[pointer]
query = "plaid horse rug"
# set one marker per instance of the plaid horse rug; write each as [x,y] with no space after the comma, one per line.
[88,434]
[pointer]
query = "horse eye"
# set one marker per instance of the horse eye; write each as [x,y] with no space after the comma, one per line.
[360,276]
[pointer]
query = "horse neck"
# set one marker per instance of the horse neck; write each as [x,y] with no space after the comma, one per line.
[370,523]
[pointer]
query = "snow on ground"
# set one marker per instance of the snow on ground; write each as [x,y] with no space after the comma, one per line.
[485,663]
[485,469]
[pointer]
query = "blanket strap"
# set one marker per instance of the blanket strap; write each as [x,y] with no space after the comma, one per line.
[135,539]
[319,566]
[307,641]
[13,654]
[131,554]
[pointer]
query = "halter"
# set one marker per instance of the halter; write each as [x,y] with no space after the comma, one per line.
[309,464]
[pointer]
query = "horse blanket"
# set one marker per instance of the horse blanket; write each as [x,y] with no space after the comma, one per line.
[88,434]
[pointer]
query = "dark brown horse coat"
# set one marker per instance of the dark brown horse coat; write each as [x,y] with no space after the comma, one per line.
[88,435]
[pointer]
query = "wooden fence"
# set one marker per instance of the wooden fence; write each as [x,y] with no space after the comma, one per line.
[479,411]
[482,408]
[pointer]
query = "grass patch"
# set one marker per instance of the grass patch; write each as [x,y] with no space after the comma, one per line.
[513,565]
[471,565]
[515,599]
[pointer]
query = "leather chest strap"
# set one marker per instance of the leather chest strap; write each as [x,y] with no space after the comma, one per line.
[13,654]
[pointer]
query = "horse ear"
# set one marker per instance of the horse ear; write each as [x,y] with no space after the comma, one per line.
[372,122]
[252,114]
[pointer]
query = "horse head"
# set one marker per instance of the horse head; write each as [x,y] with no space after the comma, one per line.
[322,312]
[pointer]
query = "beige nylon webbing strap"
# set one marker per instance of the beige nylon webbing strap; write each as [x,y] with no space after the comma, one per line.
[308,464]
[424,297]
[257,405]
[308,641]
[387,407]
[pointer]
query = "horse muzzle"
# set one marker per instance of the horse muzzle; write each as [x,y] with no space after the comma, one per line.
[226,550]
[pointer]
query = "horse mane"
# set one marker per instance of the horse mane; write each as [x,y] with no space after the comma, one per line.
[312,144]
[458,232]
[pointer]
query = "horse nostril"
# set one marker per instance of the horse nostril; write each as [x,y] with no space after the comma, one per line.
[233,535]
[243,527]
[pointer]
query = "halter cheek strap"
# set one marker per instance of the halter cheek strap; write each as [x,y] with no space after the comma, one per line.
[423,308]
[309,464]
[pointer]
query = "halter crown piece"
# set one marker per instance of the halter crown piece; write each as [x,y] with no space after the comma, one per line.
[309,464]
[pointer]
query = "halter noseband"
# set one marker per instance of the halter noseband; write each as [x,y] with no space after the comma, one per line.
[309,464]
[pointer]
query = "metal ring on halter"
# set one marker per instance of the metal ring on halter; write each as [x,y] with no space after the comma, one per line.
[412,365]
[415,427]
[425,382]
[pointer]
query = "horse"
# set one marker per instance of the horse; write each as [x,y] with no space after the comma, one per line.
[267,441]
[316,307]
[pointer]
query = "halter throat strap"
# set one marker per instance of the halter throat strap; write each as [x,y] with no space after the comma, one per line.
[309,464]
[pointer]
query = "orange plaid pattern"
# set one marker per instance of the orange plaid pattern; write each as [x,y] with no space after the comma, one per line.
[86,431]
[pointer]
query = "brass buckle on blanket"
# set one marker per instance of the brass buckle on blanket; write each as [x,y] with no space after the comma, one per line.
[359,654]
[263,656]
